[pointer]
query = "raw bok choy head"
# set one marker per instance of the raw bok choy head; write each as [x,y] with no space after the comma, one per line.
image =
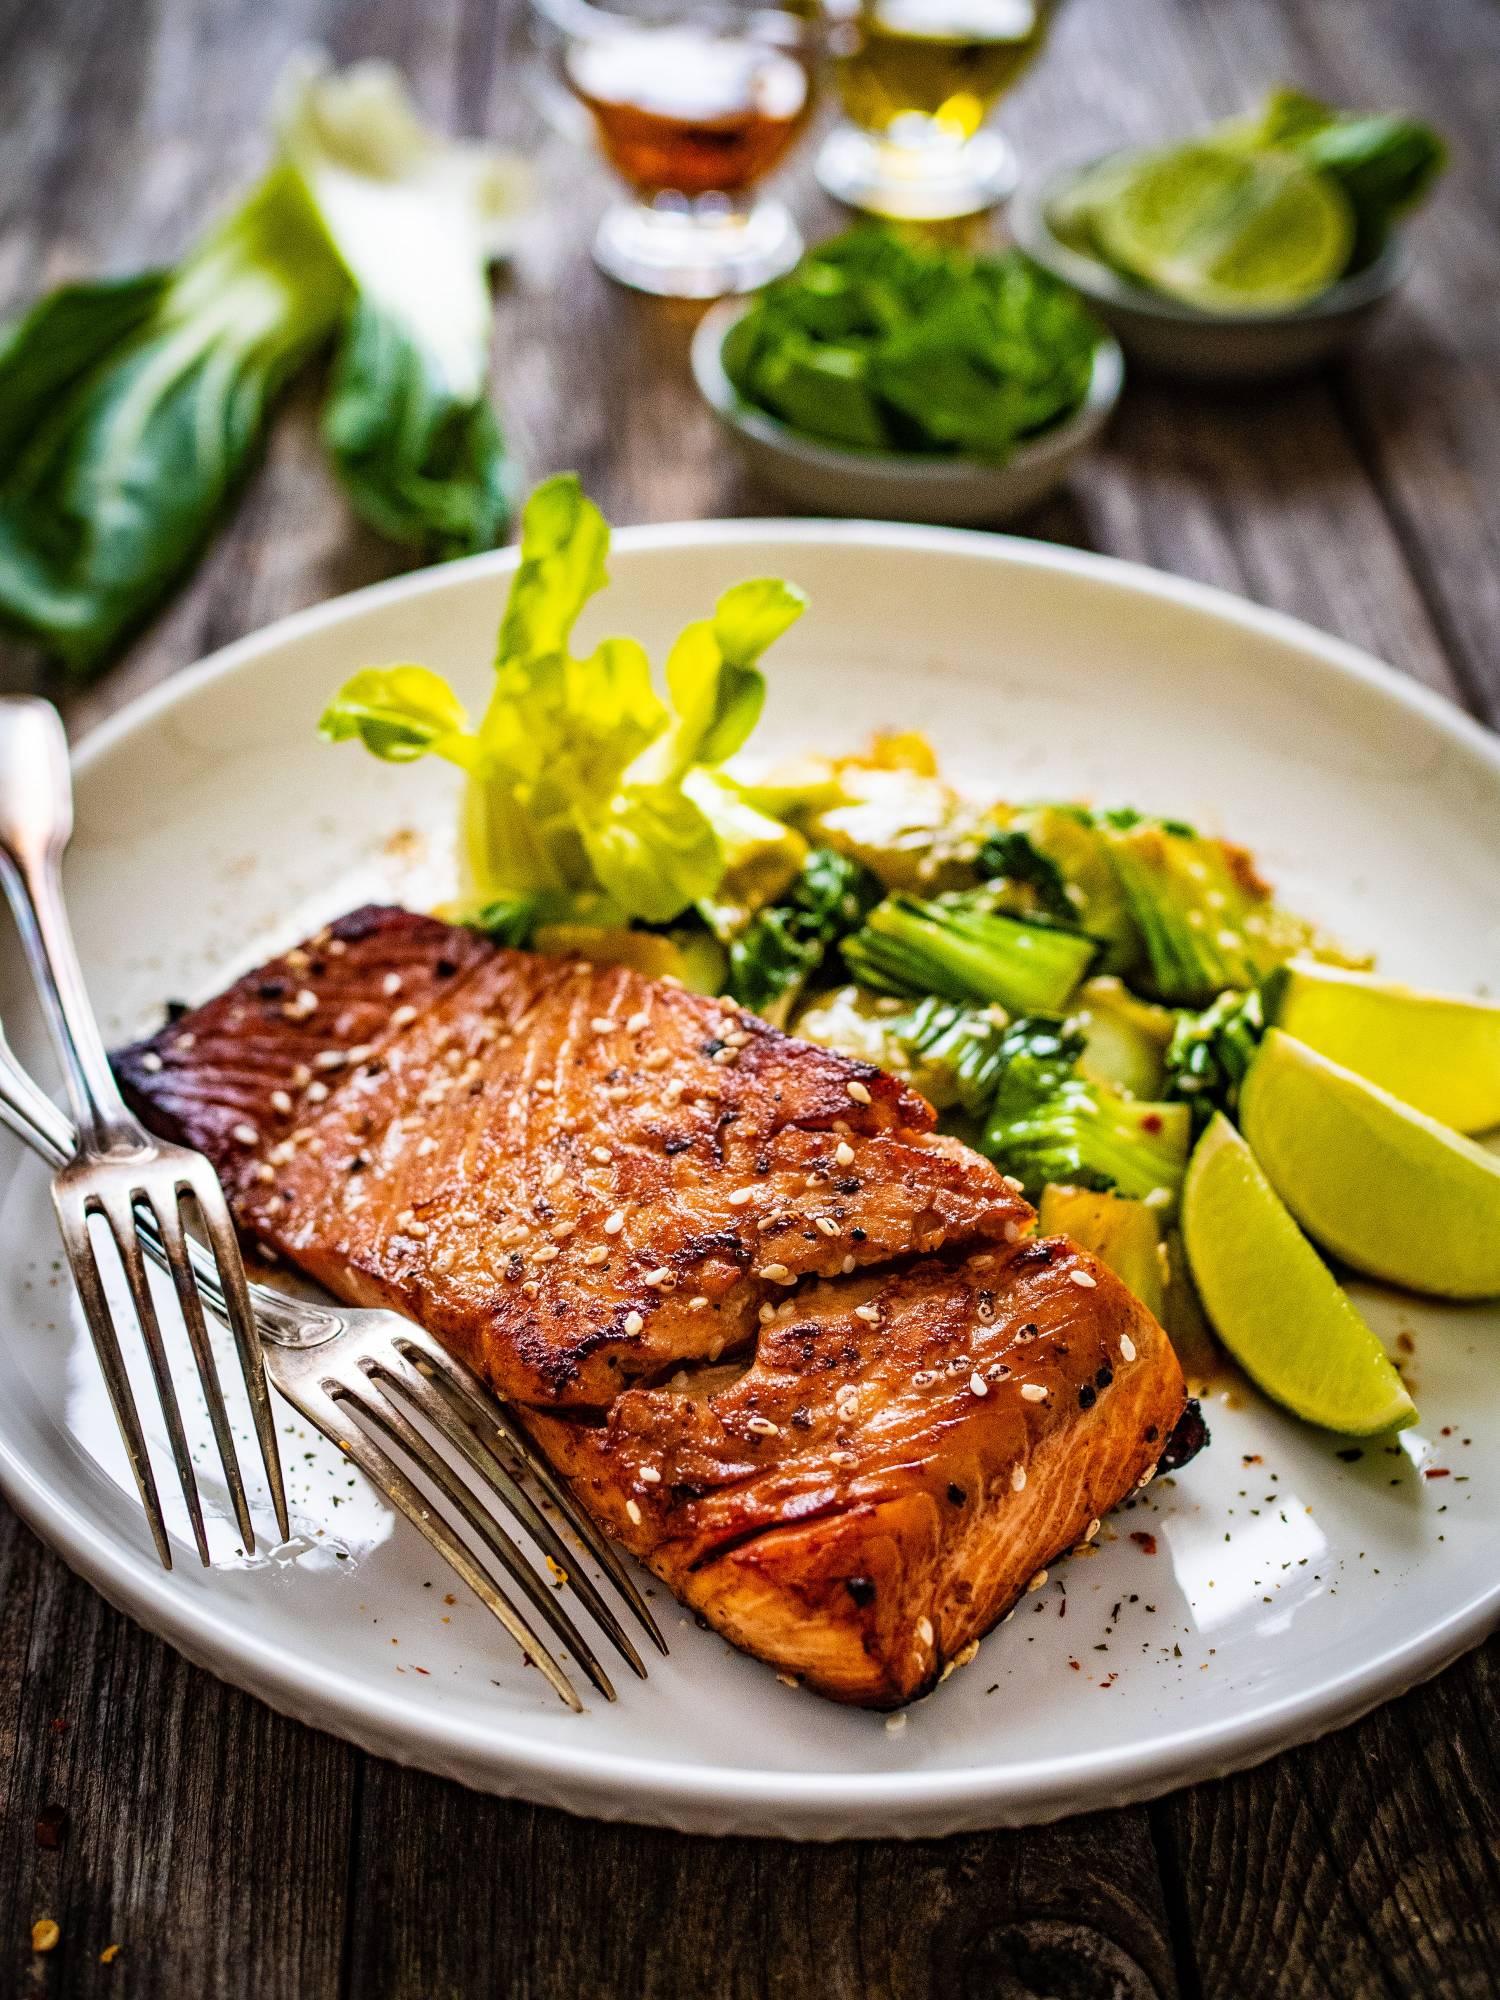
[585,790]
[415,220]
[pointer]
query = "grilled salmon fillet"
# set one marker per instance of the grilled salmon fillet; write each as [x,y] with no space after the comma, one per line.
[792,1346]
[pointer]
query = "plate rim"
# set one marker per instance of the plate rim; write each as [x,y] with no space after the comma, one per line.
[717,1798]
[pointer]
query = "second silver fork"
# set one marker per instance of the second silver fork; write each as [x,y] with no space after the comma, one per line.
[334,1363]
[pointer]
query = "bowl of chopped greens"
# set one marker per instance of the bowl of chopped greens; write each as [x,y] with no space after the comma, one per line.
[1257,249]
[901,381]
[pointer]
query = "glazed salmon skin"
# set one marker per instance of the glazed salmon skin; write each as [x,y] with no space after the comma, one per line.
[798,1351]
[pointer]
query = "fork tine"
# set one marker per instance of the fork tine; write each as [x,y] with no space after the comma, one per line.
[459,1431]
[544,1601]
[490,1417]
[213,1212]
[73,1228]
[121,1223]
[323,1410]
[170,1235]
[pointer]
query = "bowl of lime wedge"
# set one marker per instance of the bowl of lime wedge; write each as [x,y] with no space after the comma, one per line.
[1256,250]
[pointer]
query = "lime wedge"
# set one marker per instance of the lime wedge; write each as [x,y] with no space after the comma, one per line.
[1386,1188]
[1436,1052]
[1273,1301]
[1227,231]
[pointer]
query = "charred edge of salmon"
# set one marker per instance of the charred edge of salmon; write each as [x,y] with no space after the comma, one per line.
[212,1077]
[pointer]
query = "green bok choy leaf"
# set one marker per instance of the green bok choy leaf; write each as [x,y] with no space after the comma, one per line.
[130,410]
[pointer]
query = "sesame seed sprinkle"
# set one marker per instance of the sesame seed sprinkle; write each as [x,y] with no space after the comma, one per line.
[1127,1348]
[859,1093]
[316,1092]
[741,1196]
[650,1476]
[826,1225]
[763,1427]
[977,1384]
[924,1631]
[1085,1280]
[894,1724]
[404,1016]
[637,1022]
[778,1274]
[1033,1392]
[596,1255]
[245,1134]
[632,1508]
[1018,1479]
[1038,1580]
[281,1102]
[601,1154]
[868,1312]
[151,1061]
[390,986]
[614,1223]
[602,1024]
[1015,1186]
[633,1322]
[843,1153]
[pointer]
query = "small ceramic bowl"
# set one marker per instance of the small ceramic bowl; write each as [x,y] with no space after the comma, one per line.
[896,486]
[1165,337]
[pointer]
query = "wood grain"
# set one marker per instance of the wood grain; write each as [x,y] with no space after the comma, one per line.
[231,1853]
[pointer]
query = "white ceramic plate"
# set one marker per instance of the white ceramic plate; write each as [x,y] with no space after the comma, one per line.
[1289,1589]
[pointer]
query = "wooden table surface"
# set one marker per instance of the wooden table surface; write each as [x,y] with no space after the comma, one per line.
[230,1853]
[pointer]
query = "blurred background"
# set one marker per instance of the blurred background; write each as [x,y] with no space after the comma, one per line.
[125,127]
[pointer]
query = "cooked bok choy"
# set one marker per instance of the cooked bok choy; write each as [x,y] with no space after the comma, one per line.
[584,788]
[131,409]
[1049,1124]
[961,948]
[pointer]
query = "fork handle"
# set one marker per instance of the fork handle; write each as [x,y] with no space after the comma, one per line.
[36,821]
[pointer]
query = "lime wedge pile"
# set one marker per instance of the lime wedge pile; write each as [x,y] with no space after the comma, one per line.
[1226,231]
[1273,1301]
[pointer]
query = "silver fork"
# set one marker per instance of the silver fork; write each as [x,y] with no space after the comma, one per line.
[334,1361]
[115,1169]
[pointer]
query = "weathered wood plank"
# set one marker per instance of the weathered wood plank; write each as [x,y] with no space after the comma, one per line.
[544,1908]
[1361,1868]
[198,1831]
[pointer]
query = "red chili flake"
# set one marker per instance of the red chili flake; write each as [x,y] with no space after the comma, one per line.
[59,1724]
[1144,1542]
[1075,1666]
[1252,1458]
[1405,1343]
[1151,1122]
[1436,1472]
[421,1670]
[51,1827]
